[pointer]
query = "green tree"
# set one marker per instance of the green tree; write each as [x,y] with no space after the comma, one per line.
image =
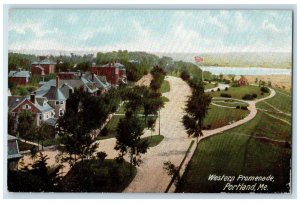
[44,131]
[196,109]
[129,140]
[26,127]
[77,127]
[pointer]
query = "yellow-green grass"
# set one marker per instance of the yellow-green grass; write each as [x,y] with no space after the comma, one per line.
[280,101]
[154,140]
[165,87]
[239,92]
[236,152]
[219,116]
[112,127]
[122,110]
[209,86]
[165,99]
[229,103]
[96,176]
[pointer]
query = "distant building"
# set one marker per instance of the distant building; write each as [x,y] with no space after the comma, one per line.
[13,153]
[43,67]
[19,77]
[67,75]
[243,81]
[115,73]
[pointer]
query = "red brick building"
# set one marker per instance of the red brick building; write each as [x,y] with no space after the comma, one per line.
[67,75]
[46,66]
[115,73]
[242,81]
[19,77]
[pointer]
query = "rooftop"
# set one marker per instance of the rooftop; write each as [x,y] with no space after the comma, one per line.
[21,74]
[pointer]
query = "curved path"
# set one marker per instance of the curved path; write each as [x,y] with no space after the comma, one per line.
[208,133]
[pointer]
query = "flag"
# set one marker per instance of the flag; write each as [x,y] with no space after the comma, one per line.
[198,59]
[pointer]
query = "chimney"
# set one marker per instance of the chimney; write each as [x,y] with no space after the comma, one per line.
[32,98]
[57,82]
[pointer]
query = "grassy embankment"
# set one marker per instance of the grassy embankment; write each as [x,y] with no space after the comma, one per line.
[242,151]
[239,92]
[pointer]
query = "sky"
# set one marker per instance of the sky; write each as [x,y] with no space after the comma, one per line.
[169,31]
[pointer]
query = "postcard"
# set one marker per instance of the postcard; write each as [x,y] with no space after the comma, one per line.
[149,101]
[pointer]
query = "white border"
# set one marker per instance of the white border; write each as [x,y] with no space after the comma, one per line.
[183,5]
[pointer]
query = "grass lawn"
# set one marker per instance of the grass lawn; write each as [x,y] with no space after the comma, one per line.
[94,176]
[229,103]
[280,101]
[165,87]
[165,99]
[154,140]
[111,127]
[122,110]
[218,116]
[239,92]
[232,153]
[208,86]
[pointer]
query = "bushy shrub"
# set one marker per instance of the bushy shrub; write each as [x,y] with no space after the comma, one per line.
[261,93]
[225,95]
[218,90]
[212,90]
[238,107]
[254,95]
[265,89]
[226,88]
[248,97]
[244,107]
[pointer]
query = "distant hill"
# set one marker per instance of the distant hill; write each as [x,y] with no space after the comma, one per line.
[266,60]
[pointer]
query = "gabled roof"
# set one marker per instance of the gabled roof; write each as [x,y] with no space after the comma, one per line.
[117,65]
[55,94]
[13,101]
[51,121]
[19,74]
[42,107]
[100,81]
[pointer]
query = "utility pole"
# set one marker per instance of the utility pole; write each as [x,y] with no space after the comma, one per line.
[159,122]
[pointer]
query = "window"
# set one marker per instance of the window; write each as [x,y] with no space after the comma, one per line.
[57,102]
[41,116]
[61,112]
[62,102]
[26,106]
[47,116]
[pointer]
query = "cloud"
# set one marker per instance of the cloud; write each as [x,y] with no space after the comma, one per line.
[267,26]
[37,28]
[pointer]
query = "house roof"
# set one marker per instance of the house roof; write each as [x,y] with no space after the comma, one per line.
[73,83]
[100,81]
[19,74]
[40,67]
[13,101]
[51,121]
[117,65]
[55,94]
[44,62]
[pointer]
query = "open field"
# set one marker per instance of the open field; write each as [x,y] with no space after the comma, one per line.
[237,151]
[279,101]
[219,116]
[112,127]
[208,86]
[276,80]
[239,92]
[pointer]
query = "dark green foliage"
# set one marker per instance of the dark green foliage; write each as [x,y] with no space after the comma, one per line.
[185,75]
[111,176]
[196,109]
[40,178]
[129,140]
[265,89]
[225,95]
[84,114]
[26,127]
[248,97]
